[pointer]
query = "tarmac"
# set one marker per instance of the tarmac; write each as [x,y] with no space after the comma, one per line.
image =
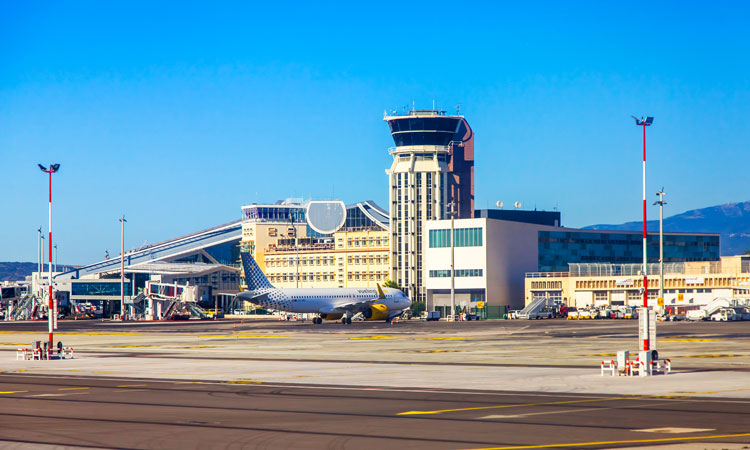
[411,370]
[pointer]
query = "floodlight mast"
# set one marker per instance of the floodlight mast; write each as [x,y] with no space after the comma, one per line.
[644,122]
[51,307]
[661,204]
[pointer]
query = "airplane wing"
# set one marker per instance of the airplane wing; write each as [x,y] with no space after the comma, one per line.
[352,305]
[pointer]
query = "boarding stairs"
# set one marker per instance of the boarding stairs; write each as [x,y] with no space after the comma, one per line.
[707,311]
[532,308]
[28,308]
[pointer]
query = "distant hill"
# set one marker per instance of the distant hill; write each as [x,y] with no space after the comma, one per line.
[18,271]
[731,220]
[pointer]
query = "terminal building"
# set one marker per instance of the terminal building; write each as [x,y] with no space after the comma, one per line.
[498,255]
[205,260]
[432,175]
[687,285]
[319,243]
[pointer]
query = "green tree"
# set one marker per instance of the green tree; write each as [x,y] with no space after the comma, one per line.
[392,284]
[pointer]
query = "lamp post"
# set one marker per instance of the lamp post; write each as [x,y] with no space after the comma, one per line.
[661,204]
[452,213]
[122,267]
[644,122]
[296,249]
[39,250]
[51,308]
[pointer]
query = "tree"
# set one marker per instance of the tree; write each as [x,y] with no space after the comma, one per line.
[392,284]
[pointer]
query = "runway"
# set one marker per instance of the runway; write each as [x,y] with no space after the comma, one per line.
[142,413]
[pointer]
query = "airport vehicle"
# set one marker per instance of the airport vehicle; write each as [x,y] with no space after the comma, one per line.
[544,313]
[705,312]
[327,304]
[428,316]
[724,315]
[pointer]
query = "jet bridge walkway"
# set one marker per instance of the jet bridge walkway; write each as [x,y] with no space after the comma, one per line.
[164,251]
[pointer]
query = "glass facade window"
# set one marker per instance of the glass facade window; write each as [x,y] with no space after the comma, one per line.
[558,248]
[459,273]
[99,289]
[465,237]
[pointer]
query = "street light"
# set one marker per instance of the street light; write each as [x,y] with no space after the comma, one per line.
[122,267]
[52,306]
[661,204]
[644,122]
[296,249]
[452,213]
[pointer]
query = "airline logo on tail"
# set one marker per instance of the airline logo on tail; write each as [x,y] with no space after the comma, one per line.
[254,277]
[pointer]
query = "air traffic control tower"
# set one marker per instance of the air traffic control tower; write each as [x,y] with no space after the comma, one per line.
[432,172]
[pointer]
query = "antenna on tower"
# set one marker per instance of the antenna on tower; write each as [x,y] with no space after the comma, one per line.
[458,109]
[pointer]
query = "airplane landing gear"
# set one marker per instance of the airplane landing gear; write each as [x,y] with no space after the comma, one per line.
[317,320]
[346,320]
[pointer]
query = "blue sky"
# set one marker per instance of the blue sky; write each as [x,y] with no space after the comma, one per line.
[177,116]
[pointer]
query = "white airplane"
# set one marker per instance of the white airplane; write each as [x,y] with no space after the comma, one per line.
[327,303]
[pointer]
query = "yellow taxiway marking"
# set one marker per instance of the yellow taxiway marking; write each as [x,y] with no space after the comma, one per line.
[247,336]
[377,337]
[436,351]
[714,355]
[477,408]
[632,441]
[188,382]
[19,332]
[72,389]
[130,385]
[690,340]
[457,338]
[714,392]
[12,392]
[194,346]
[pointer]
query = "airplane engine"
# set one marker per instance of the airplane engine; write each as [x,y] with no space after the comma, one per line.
[331,316]
[376,312]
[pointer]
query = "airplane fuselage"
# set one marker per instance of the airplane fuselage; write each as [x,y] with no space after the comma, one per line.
[326,301]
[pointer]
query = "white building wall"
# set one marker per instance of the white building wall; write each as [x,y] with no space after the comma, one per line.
[512,250]
[508,251]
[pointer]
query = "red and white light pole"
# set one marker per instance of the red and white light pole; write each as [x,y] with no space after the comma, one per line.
[52,310]
[644,122]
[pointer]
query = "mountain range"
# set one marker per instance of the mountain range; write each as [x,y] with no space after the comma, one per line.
[731,220]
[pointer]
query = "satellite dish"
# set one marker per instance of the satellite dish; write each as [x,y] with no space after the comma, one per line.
[517,205]
[499,204]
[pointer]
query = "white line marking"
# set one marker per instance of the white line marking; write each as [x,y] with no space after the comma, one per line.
[510,416]
[57,395]
[675,430]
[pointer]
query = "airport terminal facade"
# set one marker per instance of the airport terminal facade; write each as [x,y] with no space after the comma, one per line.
[495,251]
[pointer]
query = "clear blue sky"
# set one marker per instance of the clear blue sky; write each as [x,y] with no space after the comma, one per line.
[176,114]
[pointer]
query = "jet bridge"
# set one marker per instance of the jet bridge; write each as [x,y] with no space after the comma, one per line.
[202,242]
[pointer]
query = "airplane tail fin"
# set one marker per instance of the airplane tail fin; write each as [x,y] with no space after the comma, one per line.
[254,277]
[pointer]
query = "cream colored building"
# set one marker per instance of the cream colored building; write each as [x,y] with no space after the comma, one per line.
[350,259]
[292,254]
[687,284]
